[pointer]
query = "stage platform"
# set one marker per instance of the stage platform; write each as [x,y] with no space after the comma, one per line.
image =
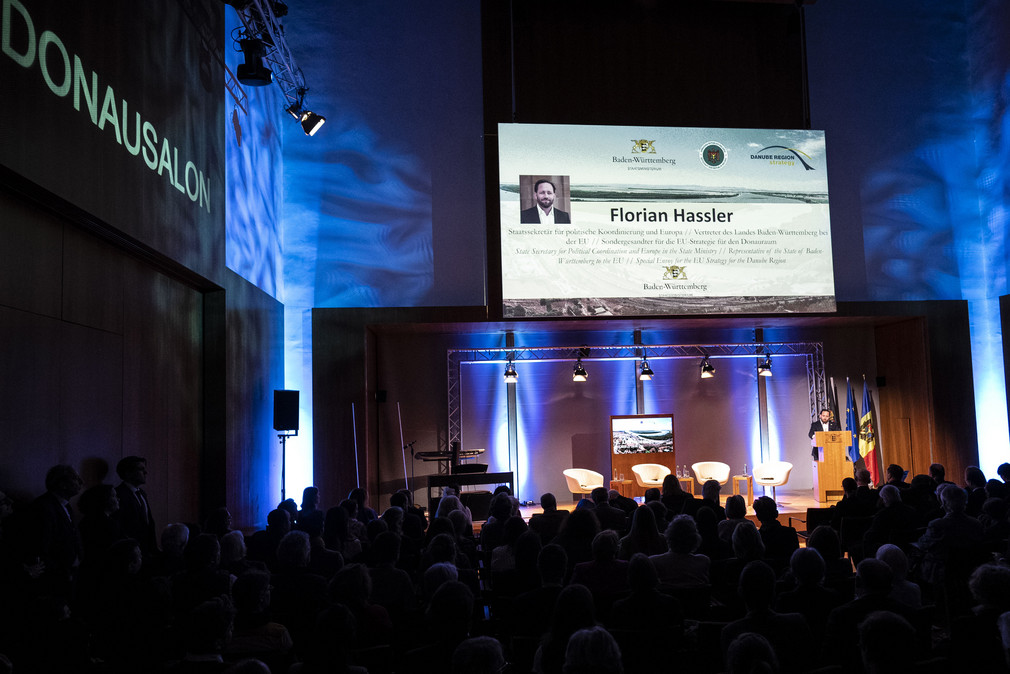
[791,503]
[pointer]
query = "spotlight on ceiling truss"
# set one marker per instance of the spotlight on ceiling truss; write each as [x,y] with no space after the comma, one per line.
[268,58]
[765,367]
[707,369]
[579,373]
[646,373]
[511,376]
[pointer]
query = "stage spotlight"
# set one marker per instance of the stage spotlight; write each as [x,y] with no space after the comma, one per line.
[765,368]
[707,369]
[511,376]
[253,73]
[646,373]
[311,122]
[579,373]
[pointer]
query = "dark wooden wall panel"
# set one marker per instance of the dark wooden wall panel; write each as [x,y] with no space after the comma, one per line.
[905,400]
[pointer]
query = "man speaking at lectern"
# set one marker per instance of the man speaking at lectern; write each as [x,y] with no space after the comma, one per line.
[824,423]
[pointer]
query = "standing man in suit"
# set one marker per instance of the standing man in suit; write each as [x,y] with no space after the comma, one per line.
[823,423]
[544,212]
[135,518]
[53,551]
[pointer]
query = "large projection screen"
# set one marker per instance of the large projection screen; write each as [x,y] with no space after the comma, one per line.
[655,220]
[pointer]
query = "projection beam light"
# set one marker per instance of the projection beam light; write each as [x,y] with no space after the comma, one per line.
[646,374]
[765,367]
[268,58]
[707,369]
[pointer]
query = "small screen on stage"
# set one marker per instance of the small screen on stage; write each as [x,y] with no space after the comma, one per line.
[641,433]
[625,221]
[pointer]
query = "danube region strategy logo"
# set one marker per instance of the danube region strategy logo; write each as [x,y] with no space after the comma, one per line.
[713,155]
[673,272]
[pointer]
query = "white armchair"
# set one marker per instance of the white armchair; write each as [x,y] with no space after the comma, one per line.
[650,474]
[711,470]
[772,474]
[582,480]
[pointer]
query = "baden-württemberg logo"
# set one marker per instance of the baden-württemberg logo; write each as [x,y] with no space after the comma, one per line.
[643,147]
[674,272]
[713,155]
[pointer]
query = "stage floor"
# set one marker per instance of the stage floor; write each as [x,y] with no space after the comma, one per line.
[791,503]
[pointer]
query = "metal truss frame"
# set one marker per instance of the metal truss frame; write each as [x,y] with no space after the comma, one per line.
[812,351]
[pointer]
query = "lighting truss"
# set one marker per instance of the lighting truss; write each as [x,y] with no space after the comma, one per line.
[813,352]
[260,22]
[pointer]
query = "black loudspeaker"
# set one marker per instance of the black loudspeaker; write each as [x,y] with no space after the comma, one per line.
[285,410]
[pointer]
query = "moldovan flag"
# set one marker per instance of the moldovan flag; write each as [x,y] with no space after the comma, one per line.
[852,421]
[868,435]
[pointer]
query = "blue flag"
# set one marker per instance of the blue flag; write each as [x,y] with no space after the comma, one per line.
[852,422]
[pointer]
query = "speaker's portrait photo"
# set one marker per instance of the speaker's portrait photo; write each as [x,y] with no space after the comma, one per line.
[540,198]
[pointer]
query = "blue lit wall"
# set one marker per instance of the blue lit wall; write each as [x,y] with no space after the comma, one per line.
[918,158]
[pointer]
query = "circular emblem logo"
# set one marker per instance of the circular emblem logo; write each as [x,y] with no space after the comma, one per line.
[713,155]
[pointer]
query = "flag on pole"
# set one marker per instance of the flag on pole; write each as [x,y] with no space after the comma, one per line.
[852,423]
[868,435]
[833,403]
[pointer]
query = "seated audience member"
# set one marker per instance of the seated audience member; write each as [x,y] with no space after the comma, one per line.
[298,595]
[330,644]
[355,526]
[590,650]
[825,540]
[393,517]
[780,541]
[531,611]
[643,537]
[233,555]
[895,522]
[975,637]
[665,614]
[337,534]
[859,499]
[392,587]
[679,566]
[174,539]
[207,628]
[995,489]
[955,530]
[750,653]
[574,611]
[887,643]
[360,497]
[939,475]
[98,528]
[435,576]
[447,622]
[322,561]
[492,533]
[902,589]
[873,588]
[736,512]
[478,655]
[921,495]
[605,576]
[674,497]
[218,522]
[451,502]
[625,504]
[289,506]
[254,634]
[1003,470]
[974,480]
[652,494]
[608,516]
[711,546]
[710,498]
[503,557]
[787,633]
[466,543]
[526,577]
[548,523]
[203,578]
[895,475]
[995,526]
[310,503]
[809,597]
[576,536]
[662,515]
[262,545]
[352,587]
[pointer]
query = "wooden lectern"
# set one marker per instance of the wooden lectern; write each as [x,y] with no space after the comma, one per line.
[829,470]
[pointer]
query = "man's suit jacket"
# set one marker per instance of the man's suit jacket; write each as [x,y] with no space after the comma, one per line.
[815,427]
[531,217]
[134,521]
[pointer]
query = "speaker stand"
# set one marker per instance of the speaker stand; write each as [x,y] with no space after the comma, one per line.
[283,437]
